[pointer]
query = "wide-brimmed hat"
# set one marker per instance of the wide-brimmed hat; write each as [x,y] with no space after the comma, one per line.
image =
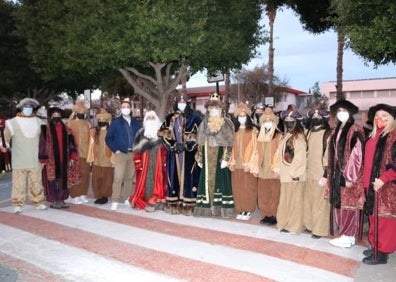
[345,104]
[291,113]
[387,108]
[182,98]
[103,114]
[28,101]
[321,112]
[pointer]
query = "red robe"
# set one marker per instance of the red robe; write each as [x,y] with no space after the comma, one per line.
[141,160]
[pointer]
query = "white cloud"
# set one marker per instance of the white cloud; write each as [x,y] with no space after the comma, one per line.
[303,58]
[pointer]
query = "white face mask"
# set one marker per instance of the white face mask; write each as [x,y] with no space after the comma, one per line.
[181,106]
[214,112]
[126,111]
[343,116]
[27,111]
[242,120]
[268,125]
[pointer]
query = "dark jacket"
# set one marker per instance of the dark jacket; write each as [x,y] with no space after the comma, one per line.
[120,136]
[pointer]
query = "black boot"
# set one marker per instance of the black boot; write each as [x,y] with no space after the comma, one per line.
[382,259]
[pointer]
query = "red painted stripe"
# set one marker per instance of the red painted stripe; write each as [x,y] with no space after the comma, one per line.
[318,259]
[27,271]
[156,261]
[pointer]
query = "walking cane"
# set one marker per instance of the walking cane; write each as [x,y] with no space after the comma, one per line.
[375,225]
[331,220]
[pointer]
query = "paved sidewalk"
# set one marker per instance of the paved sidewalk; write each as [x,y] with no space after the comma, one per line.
[92,243]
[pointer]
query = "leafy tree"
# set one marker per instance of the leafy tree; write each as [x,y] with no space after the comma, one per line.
[370,28]
[317,97]
[252,85]
[318,16]
[152,43]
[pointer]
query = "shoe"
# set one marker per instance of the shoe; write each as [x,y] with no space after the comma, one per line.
[313,236]
[368,252]
[63,205]
[343,241]
[83,199]
[265,220]
[240,215]
[285,231]
[127,204]
[55,206]
[2,173]
[101,201]
[306,230]
[272,221]
[76,201]
[114,206]
[41,207]
[382,259]
[247,216]
[17,210]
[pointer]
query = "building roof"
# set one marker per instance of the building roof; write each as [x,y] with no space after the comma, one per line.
[205,91]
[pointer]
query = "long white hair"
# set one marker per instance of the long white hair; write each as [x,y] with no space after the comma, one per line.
[151,126]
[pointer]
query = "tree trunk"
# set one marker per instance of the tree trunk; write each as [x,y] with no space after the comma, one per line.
[271,13]
[340,56]
[155,89]
[227,91]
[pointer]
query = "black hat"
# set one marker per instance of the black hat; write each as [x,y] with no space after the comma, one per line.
[290,113]
[345,104]
[52,110]
[387,108]
[323,113]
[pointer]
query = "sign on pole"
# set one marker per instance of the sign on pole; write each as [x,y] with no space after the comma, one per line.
[87,98]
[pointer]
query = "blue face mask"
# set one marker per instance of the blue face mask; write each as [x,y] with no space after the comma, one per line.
[242,120]
[214,112]
[181,106]
[27,111]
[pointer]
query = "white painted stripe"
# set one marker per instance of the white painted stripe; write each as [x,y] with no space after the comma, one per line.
[81,265]
[267,266]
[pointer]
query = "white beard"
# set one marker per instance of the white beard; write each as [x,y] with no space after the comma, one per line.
[151,128]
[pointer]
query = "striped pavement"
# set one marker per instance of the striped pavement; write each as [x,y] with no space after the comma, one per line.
[91,243]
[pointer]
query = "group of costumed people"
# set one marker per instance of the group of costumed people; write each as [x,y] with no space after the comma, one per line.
[301,174]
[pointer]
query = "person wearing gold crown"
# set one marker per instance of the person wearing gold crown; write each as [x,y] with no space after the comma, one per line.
[120,137]
[244,184]
[179,136]
[23,131]
[215,139]
[99,154]
[80,129]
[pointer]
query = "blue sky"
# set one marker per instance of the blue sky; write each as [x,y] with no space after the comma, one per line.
[303,59]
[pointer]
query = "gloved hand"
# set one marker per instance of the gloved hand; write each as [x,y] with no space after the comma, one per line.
[179,148]
[223,164]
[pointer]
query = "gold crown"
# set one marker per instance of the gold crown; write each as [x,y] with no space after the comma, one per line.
[214,97]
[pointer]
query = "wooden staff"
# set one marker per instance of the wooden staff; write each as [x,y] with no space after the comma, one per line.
[376,225]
